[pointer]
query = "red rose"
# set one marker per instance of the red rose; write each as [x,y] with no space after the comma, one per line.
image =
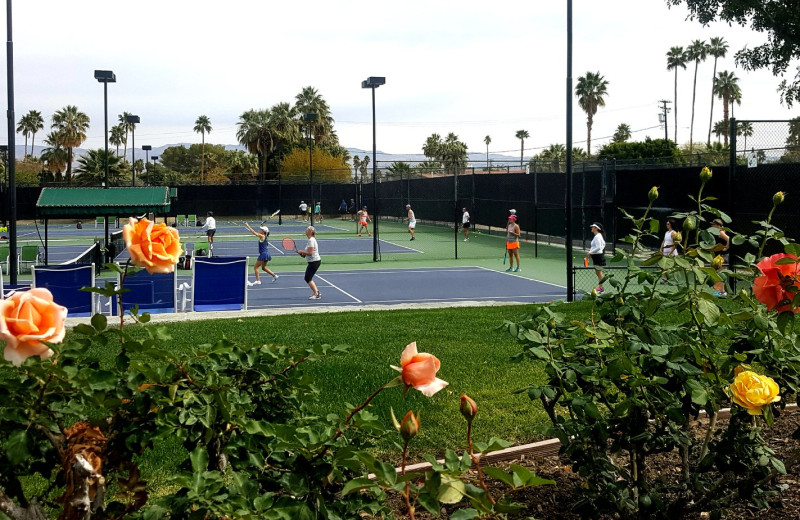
[774,287]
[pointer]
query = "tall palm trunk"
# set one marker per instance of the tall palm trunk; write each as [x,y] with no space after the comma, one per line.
[725,102]
[33,137]
[711,115]
[25,148]
[521,151]
[676,105]
[694,96]
[69,164]
[589,135]
[203,159]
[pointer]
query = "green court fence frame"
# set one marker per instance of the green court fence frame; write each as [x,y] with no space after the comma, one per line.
[90,203]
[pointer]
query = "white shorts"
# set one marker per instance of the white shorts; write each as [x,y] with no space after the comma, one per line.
[412,224]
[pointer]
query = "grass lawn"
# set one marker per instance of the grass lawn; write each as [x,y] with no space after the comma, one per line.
[475,358]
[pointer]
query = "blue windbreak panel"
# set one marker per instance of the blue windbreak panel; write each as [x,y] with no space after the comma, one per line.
[65,282]
[219,283]
[153,293]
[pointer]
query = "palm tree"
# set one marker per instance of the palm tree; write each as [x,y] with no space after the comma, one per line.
[22,128]
[717,48]
[91,169]
[117,136]
[697,52]
[745,129]
[454,152]
[123,122]
[622,134]
[364,164]
[488,141]
[432,147]
[720,129]
[255,134]
[35,123]
[676,58]
[309,100]
[591,90]
[356,165]
[54,157]
[725,87]
[71,126]
[522,135]
[202,126]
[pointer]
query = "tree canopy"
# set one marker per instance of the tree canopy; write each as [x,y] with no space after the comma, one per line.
[777,19]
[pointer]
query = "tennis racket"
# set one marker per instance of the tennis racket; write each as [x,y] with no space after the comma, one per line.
[275,214]
[504,257]
[585,262]
[289,245]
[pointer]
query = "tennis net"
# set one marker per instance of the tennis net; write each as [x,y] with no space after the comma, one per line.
[92,255]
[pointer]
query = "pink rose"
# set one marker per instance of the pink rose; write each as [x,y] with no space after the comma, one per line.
[418,370]
[28,318]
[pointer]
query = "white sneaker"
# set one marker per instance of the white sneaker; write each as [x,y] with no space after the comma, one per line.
[257,282]
[250,284]
[317,296]
[275,278]
[465,240]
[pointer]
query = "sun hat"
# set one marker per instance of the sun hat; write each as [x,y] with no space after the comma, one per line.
[265,229]
[512,211]
[512,217]
[596,226]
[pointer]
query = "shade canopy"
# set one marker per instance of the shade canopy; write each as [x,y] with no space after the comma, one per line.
[102,202]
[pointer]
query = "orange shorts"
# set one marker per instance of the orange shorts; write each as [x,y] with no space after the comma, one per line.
[512,245]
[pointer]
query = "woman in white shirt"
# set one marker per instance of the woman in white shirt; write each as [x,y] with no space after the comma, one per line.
[311,254]
[668,246]
[596,252]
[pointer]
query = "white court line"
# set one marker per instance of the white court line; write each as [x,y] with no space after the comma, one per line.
[340,289]
[523,277]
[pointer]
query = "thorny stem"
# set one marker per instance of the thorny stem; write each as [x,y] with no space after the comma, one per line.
[477,461]
[766,237]
[712,424]
[407,494]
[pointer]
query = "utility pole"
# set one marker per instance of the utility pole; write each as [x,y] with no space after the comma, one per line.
[662,117]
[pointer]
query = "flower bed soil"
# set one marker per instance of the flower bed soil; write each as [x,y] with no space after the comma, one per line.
[553,502]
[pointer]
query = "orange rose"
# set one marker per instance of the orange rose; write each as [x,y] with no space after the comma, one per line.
[771,287]
[156,247]
[28,318]
[418,370]
[752,391]
[469,409]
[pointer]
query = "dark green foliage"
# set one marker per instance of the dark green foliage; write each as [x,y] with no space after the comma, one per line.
[646,149]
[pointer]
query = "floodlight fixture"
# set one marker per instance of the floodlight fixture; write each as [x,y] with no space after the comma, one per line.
[373,82]
[105,76]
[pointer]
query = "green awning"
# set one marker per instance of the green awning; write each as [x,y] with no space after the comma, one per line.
[101,202]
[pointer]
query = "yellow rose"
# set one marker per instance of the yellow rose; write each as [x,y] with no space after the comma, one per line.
[752,391]
[28,318]
[156,247]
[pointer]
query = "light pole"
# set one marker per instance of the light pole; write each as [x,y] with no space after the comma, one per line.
[155,178]
[374,82]
[133,121]
[310,119]
[147,148]
[105,77]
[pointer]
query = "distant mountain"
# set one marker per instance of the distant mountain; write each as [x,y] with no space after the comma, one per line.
[474,158]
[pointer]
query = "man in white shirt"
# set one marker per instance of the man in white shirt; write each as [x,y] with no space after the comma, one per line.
[211,228]
[465,223]
[303,209]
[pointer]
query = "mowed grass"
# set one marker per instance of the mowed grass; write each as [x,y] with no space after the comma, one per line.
[475,355]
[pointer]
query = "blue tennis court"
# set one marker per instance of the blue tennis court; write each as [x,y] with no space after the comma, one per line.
[395,286]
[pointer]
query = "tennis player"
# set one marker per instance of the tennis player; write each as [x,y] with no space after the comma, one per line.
[512,243]
[363,218]
[465,223]
[412,220]
[311,254]
[211,228]
[303,209]
[263,252]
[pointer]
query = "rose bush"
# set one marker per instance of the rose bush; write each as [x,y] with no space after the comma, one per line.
[155,247]
[27,319]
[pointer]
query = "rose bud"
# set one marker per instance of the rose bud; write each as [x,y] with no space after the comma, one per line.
[778,198]
[717,262]
[409,426]
[469,409]
[652,195]
[677,238]
[705,174]
[690,223]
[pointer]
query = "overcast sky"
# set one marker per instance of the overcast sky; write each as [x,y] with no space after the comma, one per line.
[474,68]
